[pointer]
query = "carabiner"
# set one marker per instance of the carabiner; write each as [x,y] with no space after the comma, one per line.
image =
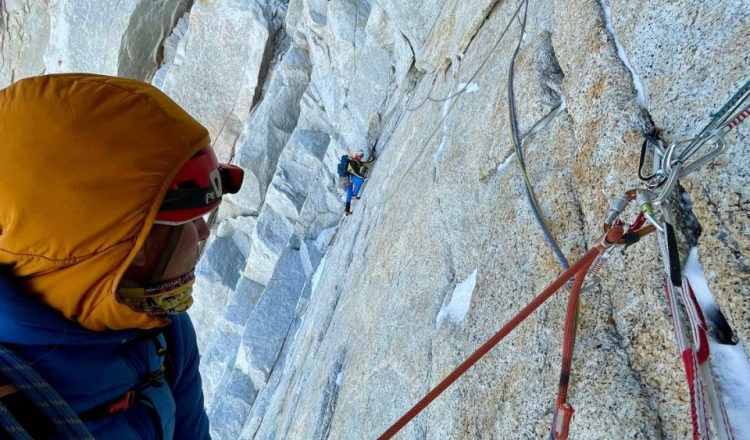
[721,146]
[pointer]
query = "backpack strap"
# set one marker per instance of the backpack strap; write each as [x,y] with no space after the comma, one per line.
[31,409]
[155,378]
[124,402]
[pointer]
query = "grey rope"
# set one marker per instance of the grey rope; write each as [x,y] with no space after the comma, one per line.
[481,66]
[528,189]
[429,138]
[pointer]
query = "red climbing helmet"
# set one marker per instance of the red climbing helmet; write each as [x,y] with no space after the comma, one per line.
[198,187]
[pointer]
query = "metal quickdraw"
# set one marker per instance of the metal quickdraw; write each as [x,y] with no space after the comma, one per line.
[632,233]
[635,231]
[669,165]
[673,162]
[689,325]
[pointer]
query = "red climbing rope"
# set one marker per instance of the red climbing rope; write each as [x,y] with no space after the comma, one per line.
[578,270]
[564,412]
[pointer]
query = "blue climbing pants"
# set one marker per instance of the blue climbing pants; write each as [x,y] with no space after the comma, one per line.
[353,189]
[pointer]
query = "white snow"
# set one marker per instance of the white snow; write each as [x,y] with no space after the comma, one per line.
[640,91]
[454,63]
[733,374]
[545,121]
[339,378]
[505,163]
[318,271]
[443,131]
[694,273]
[437,156]
[729,362]
[471,87]
[455,310]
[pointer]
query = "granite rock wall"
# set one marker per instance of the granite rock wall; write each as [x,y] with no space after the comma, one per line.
[314,326]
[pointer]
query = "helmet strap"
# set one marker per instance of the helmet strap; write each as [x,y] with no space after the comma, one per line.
[167,254]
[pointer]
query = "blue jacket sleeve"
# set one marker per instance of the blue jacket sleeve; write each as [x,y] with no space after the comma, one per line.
[191,421]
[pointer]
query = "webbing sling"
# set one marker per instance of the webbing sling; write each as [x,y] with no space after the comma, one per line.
[692,340]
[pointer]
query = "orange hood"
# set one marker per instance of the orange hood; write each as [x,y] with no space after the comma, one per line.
[85,161]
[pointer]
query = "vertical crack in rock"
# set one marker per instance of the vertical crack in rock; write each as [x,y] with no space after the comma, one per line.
[4,19]
[608,326]
[411,81]
[265,67]
[490,10]
[275,47]
[330,398]
[637,84]
[691,230]
[411,48]
[723,232]
[458,46]
[552,76]
[142,45]
[580,214]
[689,225]
[329,316]
[355,46]
[437,156]
[434,23]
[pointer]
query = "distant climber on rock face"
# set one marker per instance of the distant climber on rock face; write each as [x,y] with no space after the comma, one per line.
[104,183]
[353,177]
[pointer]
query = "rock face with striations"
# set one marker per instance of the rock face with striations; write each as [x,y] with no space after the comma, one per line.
[123,39]
[311,326]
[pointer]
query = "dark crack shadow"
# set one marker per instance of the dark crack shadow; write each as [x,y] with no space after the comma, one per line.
[330,397]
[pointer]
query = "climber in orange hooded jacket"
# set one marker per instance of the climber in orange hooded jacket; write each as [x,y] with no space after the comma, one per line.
[103,185]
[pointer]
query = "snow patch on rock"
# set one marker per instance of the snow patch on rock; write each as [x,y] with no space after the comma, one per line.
[456,308]
[729,362]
